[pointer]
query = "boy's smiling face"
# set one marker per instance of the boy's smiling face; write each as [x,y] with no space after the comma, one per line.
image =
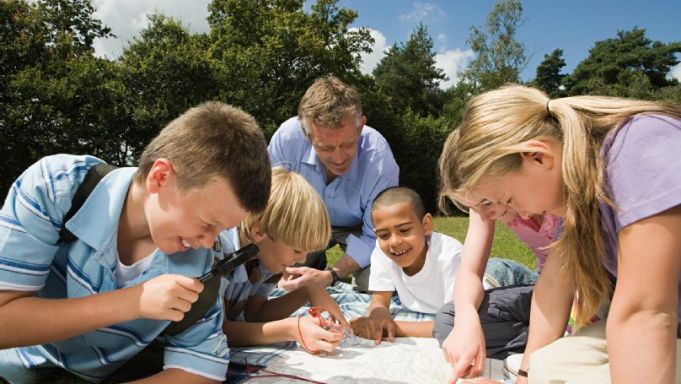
[402,235]
[180,220]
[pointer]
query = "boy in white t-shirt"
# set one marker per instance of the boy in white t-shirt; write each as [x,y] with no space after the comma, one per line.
[410,258]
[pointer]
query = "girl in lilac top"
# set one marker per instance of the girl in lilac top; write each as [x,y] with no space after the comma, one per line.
[611,168]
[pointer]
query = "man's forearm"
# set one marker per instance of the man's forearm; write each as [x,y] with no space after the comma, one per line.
[345,266]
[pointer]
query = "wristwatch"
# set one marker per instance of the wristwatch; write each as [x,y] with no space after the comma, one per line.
[522,372]
[334,276]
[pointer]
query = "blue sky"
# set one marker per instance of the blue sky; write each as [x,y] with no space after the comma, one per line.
[573,25]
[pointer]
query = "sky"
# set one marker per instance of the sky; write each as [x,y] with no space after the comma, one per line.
[573,26]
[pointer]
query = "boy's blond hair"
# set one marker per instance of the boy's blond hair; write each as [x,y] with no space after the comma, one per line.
[295,214]
[214,140]
[327,103]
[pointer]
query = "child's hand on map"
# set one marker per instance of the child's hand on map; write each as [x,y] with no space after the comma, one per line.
[378,324]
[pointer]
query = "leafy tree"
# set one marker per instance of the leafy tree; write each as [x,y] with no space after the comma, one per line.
[408,76]
[499,57]
[548,77]
[166,70]
[56,97]
[270,51]
[628,65]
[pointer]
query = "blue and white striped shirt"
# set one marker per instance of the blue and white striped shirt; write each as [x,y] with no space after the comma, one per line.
[33,259]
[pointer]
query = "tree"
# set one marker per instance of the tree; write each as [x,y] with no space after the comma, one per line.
[270,51]
[166,70]
[408,76]
[499,57]
[56,97]
[628,65]
[548,77]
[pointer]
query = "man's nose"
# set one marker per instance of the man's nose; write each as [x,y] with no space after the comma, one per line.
[338,155]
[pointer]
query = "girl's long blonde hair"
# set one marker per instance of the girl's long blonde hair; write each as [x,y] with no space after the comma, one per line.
[495,129]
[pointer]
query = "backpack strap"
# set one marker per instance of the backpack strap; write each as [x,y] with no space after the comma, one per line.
[211,287]
[205,302]
[92,178]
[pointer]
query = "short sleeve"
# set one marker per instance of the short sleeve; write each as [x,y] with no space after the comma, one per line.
[32,216]
[380,279]
[643,168]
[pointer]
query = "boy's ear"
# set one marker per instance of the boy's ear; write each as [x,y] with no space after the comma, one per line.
[159,174]
[256,232]
[427,224]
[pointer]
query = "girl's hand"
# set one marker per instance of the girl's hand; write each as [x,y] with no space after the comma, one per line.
[464,349]
[314,338]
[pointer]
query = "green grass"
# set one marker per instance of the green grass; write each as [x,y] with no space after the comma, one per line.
[505,243]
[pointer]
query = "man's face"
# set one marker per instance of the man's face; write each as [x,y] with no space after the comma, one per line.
[336,147]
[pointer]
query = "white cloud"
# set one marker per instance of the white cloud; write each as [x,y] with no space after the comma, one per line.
[127,18]
[422,11]
[452,62]
[370,60]
[675,72]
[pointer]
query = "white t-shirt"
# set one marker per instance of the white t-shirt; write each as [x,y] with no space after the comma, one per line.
[431,287]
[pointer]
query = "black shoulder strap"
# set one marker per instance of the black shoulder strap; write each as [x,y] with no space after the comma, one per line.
[211,287]
[94,175]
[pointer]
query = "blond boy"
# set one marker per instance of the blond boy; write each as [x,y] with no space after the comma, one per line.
[294,223]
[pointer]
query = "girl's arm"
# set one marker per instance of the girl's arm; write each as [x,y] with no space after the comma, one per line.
[551,302]
[466,342]
[642,323]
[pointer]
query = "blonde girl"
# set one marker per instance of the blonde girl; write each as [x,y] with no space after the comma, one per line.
[611,168]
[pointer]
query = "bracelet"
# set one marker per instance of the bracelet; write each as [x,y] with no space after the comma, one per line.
[522,373]
[302,342]
[334,276]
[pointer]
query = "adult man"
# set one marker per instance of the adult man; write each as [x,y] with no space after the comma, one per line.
[348,163]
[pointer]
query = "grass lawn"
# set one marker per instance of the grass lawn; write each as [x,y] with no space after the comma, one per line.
[505,244]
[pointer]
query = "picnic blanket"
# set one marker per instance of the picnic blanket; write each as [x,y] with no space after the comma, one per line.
[406,360]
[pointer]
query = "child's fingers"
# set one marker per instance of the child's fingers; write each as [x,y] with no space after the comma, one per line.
[462,367]
[189,283]
[390,327]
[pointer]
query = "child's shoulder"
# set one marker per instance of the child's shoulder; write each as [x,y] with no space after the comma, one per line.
[444,242]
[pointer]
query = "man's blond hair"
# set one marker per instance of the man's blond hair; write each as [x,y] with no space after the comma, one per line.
[295,214]
[327,103]
[214,140]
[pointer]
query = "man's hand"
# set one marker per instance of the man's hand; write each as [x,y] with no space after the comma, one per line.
[168,297]
[373,327]
[297,277]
